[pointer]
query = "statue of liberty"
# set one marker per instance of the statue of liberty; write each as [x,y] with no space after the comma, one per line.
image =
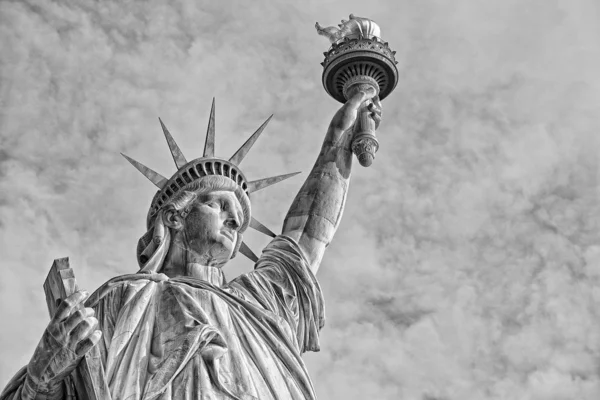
[177,329]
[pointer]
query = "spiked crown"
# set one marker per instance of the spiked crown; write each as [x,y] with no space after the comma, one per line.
[208,164]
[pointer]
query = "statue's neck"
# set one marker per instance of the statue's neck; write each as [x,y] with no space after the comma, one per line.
[182,262]
[212,275]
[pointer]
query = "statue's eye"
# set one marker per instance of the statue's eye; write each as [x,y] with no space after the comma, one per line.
[213,204]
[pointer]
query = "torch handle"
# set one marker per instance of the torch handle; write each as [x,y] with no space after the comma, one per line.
[364,142]
[364,123]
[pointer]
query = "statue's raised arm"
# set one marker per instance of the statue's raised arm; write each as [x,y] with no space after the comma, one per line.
[359,69]
[317,209]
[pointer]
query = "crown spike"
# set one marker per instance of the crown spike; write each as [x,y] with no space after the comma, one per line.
[178,156]
[257,185]
[245,250]
[209,145]
[239,155]
[153,176]
[254,224]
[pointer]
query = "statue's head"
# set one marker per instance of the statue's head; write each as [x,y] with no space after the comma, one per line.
[207,219]
[204,208]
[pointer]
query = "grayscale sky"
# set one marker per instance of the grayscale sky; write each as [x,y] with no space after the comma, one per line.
[467,266]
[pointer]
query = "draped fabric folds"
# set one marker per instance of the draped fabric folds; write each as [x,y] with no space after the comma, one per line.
[187,338]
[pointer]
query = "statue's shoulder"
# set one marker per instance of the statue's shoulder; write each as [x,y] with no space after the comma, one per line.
[122,284]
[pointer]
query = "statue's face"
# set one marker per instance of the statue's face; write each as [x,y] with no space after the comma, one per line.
[211,227]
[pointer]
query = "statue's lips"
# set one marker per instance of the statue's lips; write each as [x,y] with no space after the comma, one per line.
[228,235]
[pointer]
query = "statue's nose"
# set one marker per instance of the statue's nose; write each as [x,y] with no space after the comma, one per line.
[232,221]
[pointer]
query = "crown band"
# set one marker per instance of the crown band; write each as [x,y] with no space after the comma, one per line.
[194,170]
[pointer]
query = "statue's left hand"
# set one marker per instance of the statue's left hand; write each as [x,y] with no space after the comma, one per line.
[71,333]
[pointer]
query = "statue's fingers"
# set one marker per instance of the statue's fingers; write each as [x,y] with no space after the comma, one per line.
[65,308]
[84,329]
[377,102]
[377,119]
[377,105]
[377,112]
[86,344]
[77,317]
[374,109]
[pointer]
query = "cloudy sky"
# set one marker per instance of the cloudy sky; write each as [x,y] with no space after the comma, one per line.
[468,262]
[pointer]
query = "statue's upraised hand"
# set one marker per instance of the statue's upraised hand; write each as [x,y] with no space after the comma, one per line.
[342,122]
[71,333]
[376,111]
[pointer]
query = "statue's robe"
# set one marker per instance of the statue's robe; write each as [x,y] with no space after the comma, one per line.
[187,338]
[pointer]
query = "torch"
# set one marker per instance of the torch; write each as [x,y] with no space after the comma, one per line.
[358,58]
